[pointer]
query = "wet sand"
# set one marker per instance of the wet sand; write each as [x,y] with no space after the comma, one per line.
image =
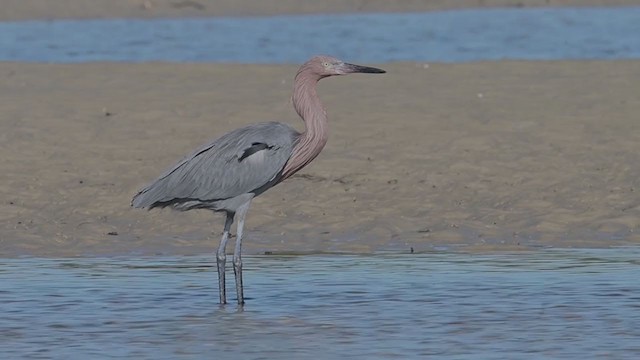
[489,156]
[44,9]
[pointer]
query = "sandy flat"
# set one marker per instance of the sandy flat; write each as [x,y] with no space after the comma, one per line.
[48,9]
[501,155]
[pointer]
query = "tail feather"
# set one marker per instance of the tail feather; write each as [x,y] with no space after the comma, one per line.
[141,201]
[148,197]
[161,193]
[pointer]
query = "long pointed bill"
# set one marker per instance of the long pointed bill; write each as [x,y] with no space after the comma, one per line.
[352,68]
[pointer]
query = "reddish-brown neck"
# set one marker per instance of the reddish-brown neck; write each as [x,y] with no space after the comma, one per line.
[308,106]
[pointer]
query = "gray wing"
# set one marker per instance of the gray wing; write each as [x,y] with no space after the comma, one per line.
[237,163]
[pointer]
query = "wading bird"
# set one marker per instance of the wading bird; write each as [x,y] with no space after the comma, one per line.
[226,174]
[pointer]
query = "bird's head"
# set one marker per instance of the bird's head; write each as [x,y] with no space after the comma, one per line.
[324,66]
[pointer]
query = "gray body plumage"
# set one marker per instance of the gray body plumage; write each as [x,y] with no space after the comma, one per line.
[225,173]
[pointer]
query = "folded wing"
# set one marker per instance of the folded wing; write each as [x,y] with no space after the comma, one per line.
[240,162]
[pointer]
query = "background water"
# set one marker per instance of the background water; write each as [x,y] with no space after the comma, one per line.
[556,304]
[448,36]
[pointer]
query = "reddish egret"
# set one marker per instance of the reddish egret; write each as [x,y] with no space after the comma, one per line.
[227,173]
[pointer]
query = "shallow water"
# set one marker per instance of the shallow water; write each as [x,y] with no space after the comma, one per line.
[561,304]
[444,36]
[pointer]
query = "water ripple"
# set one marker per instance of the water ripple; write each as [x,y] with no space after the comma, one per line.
[559,304]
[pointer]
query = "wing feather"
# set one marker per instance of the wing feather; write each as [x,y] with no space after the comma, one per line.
[221,169]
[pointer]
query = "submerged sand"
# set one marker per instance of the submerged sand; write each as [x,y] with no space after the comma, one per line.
[500,155]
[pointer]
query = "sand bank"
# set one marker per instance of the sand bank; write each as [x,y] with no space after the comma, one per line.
[504,155]
[82,9]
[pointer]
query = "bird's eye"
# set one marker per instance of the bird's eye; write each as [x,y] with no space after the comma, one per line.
[325,64]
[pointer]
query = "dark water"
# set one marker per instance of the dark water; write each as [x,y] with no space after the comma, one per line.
[449,36]
[562,304]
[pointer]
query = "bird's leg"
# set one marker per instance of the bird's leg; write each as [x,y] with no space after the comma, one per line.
[237,253]
[221,257]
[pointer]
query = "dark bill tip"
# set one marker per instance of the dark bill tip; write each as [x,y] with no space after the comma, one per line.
[364,69]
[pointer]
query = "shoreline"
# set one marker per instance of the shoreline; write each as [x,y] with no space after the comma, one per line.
[17,10]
